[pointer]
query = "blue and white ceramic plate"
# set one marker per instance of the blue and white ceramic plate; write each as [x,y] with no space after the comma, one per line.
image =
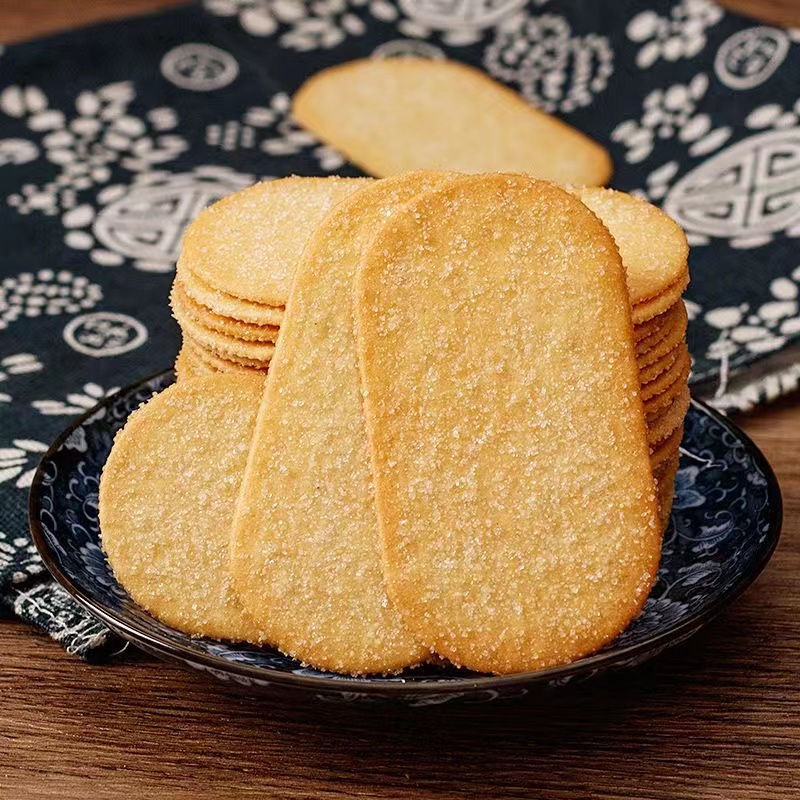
[725,525]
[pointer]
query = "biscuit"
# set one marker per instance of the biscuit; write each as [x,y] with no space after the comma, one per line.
[652,371]
[198,353]
[677,372]
[188,367]
[660,427]
[167,496]
[249,243]
[651,332]
[651,244]
[653,325]
[227,305]
[305,545]
[653,306]
[672,338]
[183,307]
[247,352]
[666,449]
[501,394]
[394,115]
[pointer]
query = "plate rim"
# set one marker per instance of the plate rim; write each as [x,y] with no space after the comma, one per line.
[121,625]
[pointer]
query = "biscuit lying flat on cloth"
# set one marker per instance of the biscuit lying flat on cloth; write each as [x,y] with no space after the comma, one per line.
[513,485]
[306,552]
[167,497]
[393,115]
[248,244]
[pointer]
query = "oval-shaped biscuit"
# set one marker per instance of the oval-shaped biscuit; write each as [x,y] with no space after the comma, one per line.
[513,484]
[394,115]
[652,245]
[305,545]
[167,498]
[248,244]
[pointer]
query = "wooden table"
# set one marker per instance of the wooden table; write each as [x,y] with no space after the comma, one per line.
[715,718]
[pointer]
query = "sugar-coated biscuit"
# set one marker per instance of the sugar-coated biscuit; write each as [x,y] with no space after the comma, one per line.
[183,307]
[248,244]
[513,485]
[227,305]
[651,332]
[394,115]
[655,324]
[672,338]
[305,546]
[246,351]
[661,426]
[650,372]
[671,378]
[188,367]
[167,497]
[196,352]
[666,449]
[652,245]
[653,306]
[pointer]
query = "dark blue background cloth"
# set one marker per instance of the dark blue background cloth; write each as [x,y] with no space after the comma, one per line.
[112,138]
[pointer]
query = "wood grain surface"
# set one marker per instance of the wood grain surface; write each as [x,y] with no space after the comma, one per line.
[714,719]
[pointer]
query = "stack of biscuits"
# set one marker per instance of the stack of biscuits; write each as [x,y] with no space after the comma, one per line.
[655,254]
[239,257]
[235,269]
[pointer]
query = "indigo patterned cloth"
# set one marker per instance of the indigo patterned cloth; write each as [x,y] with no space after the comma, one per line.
[113,138]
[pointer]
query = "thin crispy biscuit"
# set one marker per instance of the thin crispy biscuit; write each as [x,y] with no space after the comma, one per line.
[659,326]
[167,496]
[305,545]
[652,371]
[666,449]
[679,371]
[660,427]
[653,306]
[248,244]
[652,245]
[655,324]
[184,307]
[198,353]
[247,352]
[187,367]
[394,115]
[513,485]
[227,305]
[674,336]
[666,494]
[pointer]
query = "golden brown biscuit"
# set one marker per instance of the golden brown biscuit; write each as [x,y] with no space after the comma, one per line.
[305,546]
[246,352]
[249,243]
[197,353]
[227,305]
[673,337]
[655,324]
[651,332]
[184,307]
[666,449]
[188,367]
[394,115]
[652,371]
[513,486]
[167,496]
[653,306]
[652,245]
[661,426]
[678,372]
